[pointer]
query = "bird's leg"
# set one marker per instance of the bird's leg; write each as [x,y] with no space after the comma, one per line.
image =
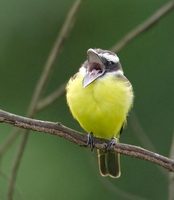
[111,143]
[90,141]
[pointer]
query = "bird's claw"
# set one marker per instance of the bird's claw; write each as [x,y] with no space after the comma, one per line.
[90,141]
[111,144]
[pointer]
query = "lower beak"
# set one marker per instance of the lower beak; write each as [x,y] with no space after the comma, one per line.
[90,77]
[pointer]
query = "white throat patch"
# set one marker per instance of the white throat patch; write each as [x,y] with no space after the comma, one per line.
[82,70]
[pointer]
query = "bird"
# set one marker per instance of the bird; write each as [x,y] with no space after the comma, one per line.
[100,97]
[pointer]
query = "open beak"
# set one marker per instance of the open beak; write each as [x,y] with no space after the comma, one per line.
[95,68]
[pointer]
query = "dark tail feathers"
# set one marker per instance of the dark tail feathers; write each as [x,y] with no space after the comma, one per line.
[109,163]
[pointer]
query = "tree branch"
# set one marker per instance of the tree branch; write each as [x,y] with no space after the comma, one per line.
[141,28]
[73,136]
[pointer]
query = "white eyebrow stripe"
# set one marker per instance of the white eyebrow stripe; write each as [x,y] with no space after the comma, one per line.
[110,57]
[115,73]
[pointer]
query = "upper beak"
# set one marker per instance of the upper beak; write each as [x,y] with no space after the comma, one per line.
[95,67]
[93,56]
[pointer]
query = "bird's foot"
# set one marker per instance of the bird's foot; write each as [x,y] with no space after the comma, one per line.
[111,143]
[90,141]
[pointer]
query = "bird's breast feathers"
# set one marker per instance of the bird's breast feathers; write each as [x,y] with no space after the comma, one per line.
[102,107]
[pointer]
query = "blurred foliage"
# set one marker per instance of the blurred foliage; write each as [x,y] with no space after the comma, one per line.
[53,168]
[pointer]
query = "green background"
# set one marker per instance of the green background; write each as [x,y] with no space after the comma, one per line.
[53,168]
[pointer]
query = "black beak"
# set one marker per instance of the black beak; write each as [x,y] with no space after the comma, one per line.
[95,67]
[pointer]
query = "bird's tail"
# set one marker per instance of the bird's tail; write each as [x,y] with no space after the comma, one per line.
[109,163]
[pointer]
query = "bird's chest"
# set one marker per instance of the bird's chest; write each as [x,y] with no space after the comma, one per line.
[104,98]
[101,107]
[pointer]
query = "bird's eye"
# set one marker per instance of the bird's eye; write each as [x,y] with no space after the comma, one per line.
[108,62]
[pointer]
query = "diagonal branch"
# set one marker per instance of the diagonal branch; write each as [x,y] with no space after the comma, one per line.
[51,98]
[9,141]
[73,136]
[141,28]
[55,51]
[66,28]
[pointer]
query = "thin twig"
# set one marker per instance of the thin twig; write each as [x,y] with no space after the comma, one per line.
[73,136]
[9,141]
[6,179]
[48,100]
[141,28]
[16,164]
[66,28]
[55,51]
[171,175]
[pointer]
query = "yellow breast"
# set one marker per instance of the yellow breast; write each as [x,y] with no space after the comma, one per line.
[101,107]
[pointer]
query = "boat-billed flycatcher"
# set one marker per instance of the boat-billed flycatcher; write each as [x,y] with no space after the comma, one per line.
[100,97]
